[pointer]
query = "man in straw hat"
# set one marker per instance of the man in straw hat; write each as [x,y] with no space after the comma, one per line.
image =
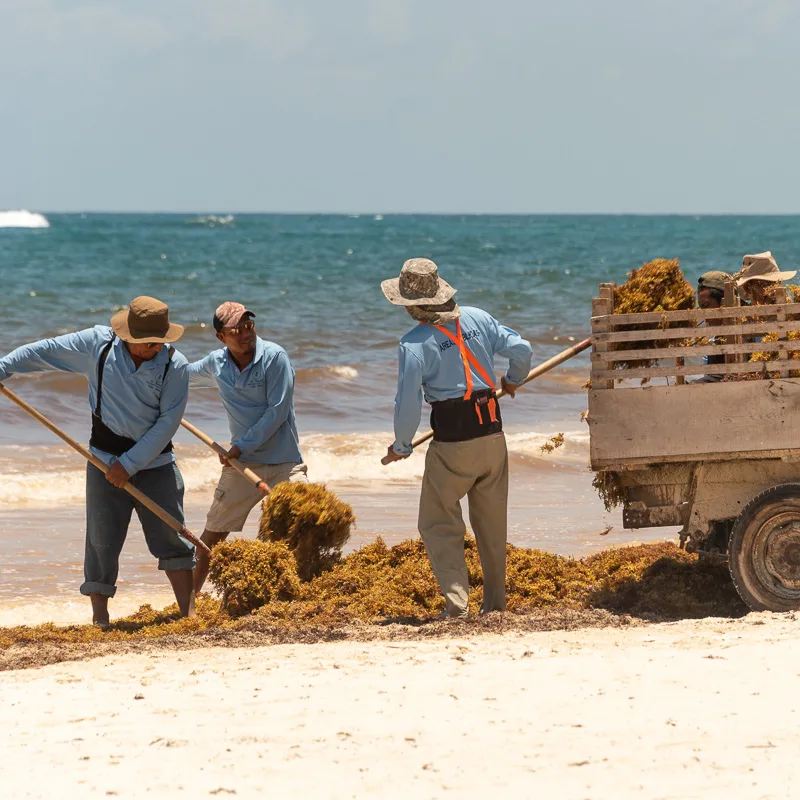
[137,394]
[449,356]
[759,277]
[255,379]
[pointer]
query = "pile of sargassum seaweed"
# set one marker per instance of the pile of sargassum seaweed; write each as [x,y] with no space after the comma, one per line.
[294,576]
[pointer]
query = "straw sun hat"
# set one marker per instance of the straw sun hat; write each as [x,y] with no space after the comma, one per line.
[761,267]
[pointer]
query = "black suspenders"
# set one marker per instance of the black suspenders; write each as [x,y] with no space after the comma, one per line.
[103,438]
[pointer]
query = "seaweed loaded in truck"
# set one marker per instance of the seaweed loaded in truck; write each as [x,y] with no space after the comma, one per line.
[718,455]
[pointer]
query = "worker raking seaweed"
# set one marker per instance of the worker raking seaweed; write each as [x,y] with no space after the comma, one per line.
[137,392]
[255,379]
[449,356]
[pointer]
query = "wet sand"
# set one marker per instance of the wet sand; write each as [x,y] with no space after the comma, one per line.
[694,709]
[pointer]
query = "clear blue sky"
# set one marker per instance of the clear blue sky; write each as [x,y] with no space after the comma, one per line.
[400,105]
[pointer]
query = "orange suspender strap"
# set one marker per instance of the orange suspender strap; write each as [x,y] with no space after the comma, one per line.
[467,358]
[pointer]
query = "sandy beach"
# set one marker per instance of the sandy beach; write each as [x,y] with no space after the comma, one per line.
[679,710]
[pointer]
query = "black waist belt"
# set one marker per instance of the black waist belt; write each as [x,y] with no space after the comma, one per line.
[102,437]
[460,420]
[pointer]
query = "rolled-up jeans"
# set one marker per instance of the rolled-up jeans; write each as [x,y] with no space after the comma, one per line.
[108,514]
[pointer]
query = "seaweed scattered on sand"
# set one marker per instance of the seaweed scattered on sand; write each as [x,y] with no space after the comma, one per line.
[377,584]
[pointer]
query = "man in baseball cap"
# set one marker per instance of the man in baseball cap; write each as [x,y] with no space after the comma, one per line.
[255,380]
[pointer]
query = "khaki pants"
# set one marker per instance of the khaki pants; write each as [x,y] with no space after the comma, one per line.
[478,469]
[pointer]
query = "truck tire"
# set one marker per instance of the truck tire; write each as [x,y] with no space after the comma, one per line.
[764,550]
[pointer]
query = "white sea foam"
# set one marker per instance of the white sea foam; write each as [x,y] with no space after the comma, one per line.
[22,219]
[349,373]
[330,458]
[212,220]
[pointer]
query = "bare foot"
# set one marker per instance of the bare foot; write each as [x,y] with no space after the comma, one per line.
[100,611]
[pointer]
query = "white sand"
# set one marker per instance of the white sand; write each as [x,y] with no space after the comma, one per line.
[693,709]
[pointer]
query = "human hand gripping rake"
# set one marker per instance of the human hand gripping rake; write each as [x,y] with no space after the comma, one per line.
[546,366]
[164,516]
[221,451]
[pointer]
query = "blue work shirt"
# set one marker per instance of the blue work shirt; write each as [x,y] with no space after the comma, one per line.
[134,402]
[429,361]
[259,400]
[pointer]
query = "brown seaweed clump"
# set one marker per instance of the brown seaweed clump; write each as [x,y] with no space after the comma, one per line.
[657,285]
[607,484]
[250,573]
[311,520]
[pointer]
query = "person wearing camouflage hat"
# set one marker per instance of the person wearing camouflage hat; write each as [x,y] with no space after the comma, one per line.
[255,380]
[449,358]
[710,294]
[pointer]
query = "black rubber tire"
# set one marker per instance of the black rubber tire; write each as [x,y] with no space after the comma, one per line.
[750,555]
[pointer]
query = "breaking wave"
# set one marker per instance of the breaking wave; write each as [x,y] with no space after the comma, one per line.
[330,458]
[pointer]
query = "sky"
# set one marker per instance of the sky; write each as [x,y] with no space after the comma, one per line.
[440,106]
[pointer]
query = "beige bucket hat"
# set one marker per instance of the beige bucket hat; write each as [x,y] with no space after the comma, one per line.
[419,284]
[761,267]
[145,321]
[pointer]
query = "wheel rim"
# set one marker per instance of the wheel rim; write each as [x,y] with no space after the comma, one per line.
[777,555]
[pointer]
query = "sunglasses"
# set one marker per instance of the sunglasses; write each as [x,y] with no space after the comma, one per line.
[249,325]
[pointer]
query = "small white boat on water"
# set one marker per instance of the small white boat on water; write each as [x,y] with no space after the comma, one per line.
[23,219]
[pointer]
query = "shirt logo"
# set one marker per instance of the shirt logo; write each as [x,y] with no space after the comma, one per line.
[447,344]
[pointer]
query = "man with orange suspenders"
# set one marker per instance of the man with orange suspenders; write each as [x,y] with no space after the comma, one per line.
[450,357]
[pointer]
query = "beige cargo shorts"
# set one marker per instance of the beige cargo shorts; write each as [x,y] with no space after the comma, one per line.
[235,496]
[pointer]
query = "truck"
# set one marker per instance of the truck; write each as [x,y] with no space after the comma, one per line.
[720,459]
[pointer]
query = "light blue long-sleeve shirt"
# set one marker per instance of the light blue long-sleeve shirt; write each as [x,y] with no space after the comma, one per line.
[134,403]
[430,362]
[259,400]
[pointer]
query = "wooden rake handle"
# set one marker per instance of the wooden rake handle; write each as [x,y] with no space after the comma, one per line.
[545,366]
[234,462]
[164,516]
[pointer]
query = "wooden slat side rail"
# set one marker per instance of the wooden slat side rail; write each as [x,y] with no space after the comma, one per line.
[601,310]
[780,300]
[662,423]
[652,334]
[699,314]
[701,369]
[700,350]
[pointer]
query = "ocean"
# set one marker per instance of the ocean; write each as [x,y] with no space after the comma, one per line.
[314,283]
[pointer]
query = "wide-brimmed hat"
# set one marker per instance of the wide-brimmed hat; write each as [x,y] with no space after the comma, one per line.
[761,267]
[715,279]
[145,321]
[419,284]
